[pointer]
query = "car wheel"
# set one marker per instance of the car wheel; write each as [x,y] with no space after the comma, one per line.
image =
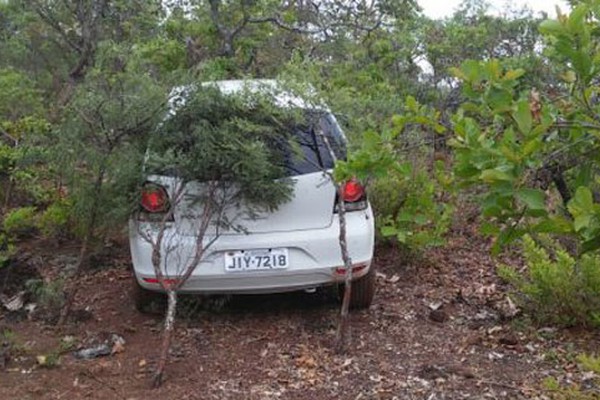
[363,291]
[143,299]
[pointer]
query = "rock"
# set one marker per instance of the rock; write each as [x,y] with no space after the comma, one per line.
[115,344]
[93,352]
[438,315]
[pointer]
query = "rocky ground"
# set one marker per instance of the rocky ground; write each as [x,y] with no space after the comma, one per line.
[441,327]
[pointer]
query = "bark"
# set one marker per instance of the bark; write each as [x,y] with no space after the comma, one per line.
[342,338]
[182,276]
[166,342]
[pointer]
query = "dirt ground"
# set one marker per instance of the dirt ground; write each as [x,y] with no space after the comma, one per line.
[441,327]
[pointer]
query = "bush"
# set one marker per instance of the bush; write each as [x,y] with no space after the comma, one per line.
[20,221]
[559,289]
[409,207]
[50,295]
[55,220]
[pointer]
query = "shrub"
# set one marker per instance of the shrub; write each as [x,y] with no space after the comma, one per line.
[20,221]
[409,207]
[558,289]
[55,220]
[49,295]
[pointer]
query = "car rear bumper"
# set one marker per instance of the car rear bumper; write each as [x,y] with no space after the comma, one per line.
[314,258]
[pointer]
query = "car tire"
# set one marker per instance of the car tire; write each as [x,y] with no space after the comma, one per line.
[363,291]
[143,299]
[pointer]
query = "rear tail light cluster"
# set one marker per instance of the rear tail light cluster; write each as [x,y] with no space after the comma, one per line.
[154,200]
[354,196]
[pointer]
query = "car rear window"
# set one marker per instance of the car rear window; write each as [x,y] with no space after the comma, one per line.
[303,152]
[308,153]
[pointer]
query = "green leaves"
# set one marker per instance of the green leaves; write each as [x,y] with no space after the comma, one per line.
[492,176]
[551,27]
[534,200]
[504,138]
[586,218]
[522,116]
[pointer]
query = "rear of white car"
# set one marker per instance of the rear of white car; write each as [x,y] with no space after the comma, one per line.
[293,248]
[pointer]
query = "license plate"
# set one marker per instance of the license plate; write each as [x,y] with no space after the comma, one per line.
[256,260]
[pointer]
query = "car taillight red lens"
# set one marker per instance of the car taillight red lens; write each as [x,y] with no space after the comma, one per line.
[352,191]
[154,199]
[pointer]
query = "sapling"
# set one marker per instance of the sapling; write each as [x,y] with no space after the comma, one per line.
[218,159]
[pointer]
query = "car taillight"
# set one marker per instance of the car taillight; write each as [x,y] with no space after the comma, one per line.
[354,196]
[352,191]
[154,199]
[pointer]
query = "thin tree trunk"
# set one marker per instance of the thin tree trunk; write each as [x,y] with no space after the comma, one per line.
[166,342]
[343,332]
[342,337]
[71,292]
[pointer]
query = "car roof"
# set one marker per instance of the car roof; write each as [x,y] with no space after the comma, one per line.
[283,96]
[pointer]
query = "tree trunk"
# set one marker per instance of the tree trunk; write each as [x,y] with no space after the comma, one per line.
[71,291]
[343,332]
[166,342]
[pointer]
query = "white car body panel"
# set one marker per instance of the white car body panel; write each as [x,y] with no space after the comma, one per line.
[314,256]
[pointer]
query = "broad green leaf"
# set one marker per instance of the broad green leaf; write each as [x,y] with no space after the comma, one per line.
[494,175]
[472,70]
[551,27]
[582,221]
[499,100]
[532,146]
[514,74]
[522,116]
[582,202]
[577,17]
[534,199]
[582,64]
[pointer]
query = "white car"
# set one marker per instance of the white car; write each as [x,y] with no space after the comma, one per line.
[293,248]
